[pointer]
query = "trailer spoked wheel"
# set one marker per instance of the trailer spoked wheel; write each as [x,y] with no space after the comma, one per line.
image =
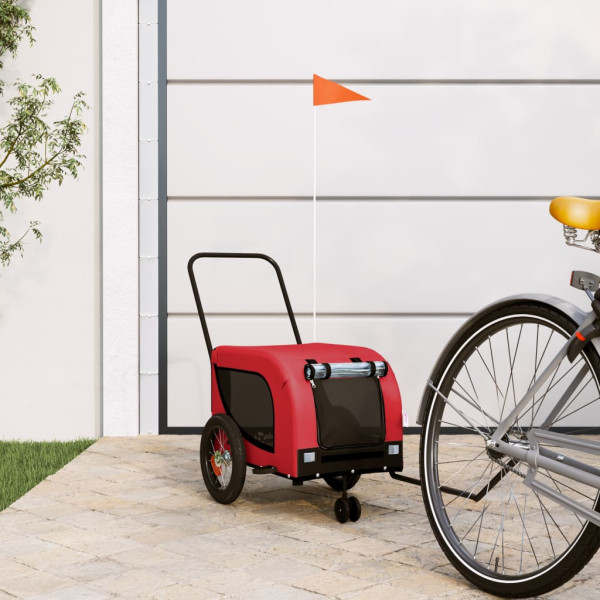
[223,458]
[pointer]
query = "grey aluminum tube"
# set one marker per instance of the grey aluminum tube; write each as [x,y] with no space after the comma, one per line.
[352,369]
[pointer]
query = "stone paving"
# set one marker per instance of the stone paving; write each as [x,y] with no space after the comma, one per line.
[130,518]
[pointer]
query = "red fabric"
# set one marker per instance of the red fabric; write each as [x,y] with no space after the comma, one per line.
[294,406]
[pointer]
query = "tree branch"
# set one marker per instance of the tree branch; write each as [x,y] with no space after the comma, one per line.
[30,175]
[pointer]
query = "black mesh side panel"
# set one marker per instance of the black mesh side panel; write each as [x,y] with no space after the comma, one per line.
[247,398]
[349,412]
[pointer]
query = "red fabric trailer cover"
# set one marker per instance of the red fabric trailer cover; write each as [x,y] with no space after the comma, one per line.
[295,425]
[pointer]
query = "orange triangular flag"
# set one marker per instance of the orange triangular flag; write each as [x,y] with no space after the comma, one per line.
[328,92]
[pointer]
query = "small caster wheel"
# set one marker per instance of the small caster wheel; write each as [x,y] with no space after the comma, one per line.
[355,508]
[341,509]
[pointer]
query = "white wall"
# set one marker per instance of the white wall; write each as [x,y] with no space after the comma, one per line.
[50,299]
[433,196]
[120,326]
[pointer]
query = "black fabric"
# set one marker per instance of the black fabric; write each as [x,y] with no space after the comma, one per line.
[247,398]
[349,412]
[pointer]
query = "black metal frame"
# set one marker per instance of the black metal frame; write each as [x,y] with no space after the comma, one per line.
[286,298]
[163,426]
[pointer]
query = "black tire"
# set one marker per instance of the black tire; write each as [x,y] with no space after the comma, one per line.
[223,458]
[335,481]
[512,542]
[341,509]
[355,508]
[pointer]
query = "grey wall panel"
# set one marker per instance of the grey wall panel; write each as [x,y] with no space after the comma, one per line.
[384,39]
[372,256]
[410,345]
[252,140]
[282,230]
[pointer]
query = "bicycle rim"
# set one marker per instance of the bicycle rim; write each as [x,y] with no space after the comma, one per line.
[511,535]
[220,459]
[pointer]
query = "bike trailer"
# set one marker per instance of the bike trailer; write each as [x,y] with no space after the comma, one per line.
[301,411]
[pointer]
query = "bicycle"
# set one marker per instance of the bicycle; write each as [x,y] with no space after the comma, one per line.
[509,470]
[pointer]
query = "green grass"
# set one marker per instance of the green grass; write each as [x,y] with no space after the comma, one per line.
[24,464]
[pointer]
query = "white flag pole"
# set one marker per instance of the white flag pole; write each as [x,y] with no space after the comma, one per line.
[314,223]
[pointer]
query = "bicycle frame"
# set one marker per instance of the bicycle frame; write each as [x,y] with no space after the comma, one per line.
[535,455]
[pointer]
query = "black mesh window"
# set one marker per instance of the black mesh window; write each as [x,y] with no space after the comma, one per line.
[349,412]
[247,398]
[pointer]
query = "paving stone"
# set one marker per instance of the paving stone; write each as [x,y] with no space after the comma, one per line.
[330,583]
[12,517]
[285,570]
[231,581]
[62,509]
[369,546]
[33,583]
[328,557]
[59,556]
[76,592]
[323,535]
[375,570]
[133,581]
[158,534]
[433,584]
[25,545]
[215,552]
[382,591]
[91,570]
[194,569]
[428,556]
[90,542]
[585,590]
[179,591]
[146,557]
[12,568]
[276,592]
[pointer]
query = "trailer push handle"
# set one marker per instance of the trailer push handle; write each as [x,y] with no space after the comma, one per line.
[286,298]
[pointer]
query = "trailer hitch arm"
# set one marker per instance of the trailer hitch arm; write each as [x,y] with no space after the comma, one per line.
[463,493]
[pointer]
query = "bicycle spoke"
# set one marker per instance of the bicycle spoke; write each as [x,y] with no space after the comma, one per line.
[445,483]
[511,361]
[475,405]
[552,385]
[577,410]
[497,388]
[524,531]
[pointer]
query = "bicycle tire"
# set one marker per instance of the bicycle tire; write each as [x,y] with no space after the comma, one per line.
[223,458]
[511,542]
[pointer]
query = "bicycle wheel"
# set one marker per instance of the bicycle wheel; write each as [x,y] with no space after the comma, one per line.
[500,534]
[223,458]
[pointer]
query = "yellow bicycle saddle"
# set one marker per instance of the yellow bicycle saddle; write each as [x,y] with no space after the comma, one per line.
[580,213]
